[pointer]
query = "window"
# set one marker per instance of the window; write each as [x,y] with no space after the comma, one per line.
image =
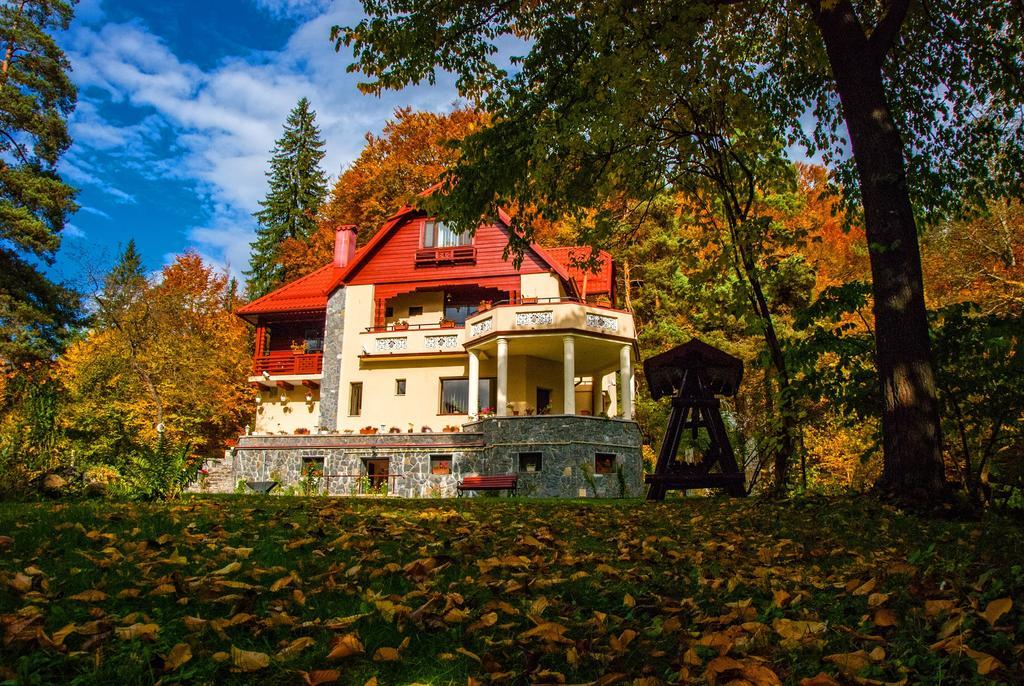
[415,310]
[441,464]
[438,235]
[529,462]
[455,395]
[604,463]
[399,386]
[389,312]
[355,399]
[314,341]
[459,313]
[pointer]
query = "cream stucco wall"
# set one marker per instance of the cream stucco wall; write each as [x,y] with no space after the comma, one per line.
[432,303]
[282,411]
[544,285]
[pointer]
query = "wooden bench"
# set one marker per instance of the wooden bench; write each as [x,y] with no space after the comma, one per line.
[500,482]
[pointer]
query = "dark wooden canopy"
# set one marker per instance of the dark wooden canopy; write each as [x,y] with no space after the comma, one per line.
[720,371]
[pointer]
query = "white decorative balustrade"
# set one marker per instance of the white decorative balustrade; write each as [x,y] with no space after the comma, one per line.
[392,345]
[600,321]
[546,318]
[441,342]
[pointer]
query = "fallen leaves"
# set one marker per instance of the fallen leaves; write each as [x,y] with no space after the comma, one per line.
[249,660]
[504,593]
[345,646]
[996,609]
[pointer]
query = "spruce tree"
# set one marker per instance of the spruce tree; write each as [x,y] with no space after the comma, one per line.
[297,188]
[36,97]
[123,286]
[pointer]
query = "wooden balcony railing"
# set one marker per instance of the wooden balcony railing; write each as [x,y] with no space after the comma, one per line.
[459,254]
[288,363]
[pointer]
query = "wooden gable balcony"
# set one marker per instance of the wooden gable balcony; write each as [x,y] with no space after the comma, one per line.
[458,254]
[283,362]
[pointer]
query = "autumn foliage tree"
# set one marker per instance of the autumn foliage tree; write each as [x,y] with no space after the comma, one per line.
[412,152]
[166,353]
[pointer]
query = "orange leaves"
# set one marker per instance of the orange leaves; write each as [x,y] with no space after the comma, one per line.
[345,646]
[797,633]
[137,631]
[178,655]
[249,660]
[996,609]
[549,632]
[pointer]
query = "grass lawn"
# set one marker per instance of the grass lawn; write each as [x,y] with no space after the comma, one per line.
[302,591]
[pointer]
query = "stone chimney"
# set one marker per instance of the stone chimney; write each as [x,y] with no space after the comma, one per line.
[344,244]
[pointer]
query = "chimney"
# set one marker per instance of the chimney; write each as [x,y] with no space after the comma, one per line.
[344,244]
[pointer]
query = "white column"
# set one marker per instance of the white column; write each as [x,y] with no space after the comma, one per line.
[502,408]
[568,375]
[474,385]
[626,381]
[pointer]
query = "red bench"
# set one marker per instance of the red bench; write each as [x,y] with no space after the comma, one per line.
[500,482]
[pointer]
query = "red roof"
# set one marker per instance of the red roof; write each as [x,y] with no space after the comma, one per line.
[599,282]
[308,293]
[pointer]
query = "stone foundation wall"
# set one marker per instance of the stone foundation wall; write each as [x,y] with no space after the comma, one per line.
[567,445]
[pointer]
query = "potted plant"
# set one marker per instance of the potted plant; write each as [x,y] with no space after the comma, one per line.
[487,412]
[531,300]
[367,430]
[483,306]
[298,347]
[394,430]
[447,323]
[302,431]
[426,430]
[604,301]
[401,325]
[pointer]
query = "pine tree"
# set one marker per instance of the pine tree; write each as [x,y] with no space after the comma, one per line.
[36,97]
[123,286]
[297,188]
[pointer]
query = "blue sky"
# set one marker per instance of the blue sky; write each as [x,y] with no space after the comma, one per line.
[180,102]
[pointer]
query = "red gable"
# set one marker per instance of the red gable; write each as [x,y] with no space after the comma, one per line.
[306,294]
[390,258]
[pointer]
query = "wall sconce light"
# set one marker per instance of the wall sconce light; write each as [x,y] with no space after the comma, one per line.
[284,398]
[309,396]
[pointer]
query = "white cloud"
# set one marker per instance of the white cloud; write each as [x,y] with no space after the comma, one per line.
[224,120]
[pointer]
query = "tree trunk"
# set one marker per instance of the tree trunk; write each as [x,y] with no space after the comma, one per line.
[911,435]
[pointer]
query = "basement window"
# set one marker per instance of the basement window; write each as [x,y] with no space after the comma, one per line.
[604,463]
[530,462]
[441,465]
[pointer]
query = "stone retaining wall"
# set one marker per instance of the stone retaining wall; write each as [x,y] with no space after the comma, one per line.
[567,445]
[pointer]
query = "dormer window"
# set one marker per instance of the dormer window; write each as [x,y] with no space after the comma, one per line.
[437,234]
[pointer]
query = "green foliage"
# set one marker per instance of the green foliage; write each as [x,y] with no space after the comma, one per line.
[158,472]
[297,189]
[36,97]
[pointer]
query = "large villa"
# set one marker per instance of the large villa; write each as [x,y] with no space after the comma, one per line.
[425,357]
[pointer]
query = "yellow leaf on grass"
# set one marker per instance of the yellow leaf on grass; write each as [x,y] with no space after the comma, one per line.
[193,624]
[455,616]
[933,608]
[850,664]
[345,646]
[759,675]
[249,660]
[471,655]
[179,655]
[22,583]
[295,647]
[821,679]
[996,609]
[629,601]
[228,569]
[387,655]
[489,619]
[139,630]
[796,630]
[90,596]
[281,583]
[885,617]
[547,631]
[321,676]
[220,656]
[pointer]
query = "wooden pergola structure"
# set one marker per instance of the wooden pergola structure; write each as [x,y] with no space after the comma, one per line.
[694,375]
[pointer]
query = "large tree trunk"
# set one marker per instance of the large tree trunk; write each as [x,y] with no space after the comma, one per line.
[911,433]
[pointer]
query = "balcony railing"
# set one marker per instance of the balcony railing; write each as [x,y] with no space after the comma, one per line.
[539,314]
[288,363]
[458,254]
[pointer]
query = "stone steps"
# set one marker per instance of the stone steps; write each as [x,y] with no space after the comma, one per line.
[219,478]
